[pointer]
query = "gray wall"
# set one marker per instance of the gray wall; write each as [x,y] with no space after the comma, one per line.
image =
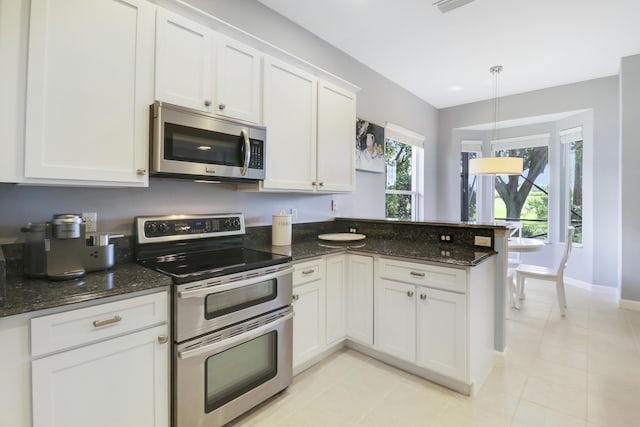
[600,96]
[630,177]
[379,101]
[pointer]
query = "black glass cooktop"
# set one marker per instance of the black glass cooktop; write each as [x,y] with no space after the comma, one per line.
[187,267]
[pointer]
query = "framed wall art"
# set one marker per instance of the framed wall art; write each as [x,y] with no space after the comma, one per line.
[369,147]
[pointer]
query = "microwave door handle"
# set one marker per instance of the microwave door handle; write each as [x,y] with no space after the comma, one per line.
[247,151]
[233,341]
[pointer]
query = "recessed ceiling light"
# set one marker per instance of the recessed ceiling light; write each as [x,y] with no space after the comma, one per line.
[448,5]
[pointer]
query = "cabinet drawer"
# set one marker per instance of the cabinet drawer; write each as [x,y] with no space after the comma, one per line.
[73,328]
[308,271]
[450,279]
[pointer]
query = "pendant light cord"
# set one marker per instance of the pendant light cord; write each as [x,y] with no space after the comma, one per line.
[495,70]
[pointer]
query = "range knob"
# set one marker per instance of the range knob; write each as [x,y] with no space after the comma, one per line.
[228,223]
[236,223]
[150,228]
[163,227]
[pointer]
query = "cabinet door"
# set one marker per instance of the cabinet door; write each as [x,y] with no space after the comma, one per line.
[360,299]
[13,44]
[336,129]
[336,298]
[237,80]
[309,321]
[89,87]
[442,332]
[395,322]
[184,67]
[290,105]
[120,382]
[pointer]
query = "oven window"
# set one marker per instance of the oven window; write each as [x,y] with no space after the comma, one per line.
[235,371]
[226,302]
[202,146]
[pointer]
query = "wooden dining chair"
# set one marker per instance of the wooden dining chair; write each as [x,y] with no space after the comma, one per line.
[556,275]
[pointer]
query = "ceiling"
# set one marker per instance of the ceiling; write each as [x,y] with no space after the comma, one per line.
[445,58]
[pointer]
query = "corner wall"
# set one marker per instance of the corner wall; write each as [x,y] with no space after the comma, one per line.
[629,177]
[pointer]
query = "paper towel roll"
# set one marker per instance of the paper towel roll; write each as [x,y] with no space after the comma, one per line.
[281,229]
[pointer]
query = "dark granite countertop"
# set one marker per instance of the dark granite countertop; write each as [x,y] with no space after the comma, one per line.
[25,295]
[452,254]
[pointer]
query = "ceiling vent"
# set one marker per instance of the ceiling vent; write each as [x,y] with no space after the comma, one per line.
[448,5]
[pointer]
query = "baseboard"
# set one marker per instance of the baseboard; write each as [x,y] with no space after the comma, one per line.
[629,304]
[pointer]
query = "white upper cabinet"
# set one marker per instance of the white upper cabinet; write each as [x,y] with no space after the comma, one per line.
[336,136]
[207,71]
[184,60]
[290,106]
[238,80]
[89,87]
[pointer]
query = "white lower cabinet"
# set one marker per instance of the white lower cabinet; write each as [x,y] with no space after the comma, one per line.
[105,365]
[422,324]
[442,332]
[360,298]
[309,306]
[336,293]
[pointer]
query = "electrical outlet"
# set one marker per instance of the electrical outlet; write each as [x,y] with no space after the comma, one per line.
[294,213]
[445,238]
[90,221]
[334,205]
[482,241]
[353,230]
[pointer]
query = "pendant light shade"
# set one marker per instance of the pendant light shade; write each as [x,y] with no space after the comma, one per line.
[495,166]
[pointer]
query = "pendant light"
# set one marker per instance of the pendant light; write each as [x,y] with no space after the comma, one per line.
[496,165]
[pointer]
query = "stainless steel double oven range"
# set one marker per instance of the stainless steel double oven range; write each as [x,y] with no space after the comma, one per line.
[232,318]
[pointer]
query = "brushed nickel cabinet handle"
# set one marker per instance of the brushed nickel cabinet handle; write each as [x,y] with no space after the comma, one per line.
[305,272]
[141,172]
[295,297]
[321,184]
[417,274]
[163,339]
[207,103]
[222,106]
[423,296]
[99,323]
[314,183]
[410,294]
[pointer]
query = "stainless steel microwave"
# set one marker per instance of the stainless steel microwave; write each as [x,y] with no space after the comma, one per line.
[191,144]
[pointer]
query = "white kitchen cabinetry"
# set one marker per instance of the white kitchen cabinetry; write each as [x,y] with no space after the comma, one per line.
[89,87]
[104,365]
[207,71]
[336,294]
[309,305]
[395,325]
[238,80]
[336,117]
[13,63]
[422,316]
[360,299]
[184,61]
[290,115]
[442,332]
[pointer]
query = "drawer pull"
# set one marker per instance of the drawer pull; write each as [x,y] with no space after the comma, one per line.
[423,296]
[99,323]
[417,274]
[305,272]
[295,297]
[410,294]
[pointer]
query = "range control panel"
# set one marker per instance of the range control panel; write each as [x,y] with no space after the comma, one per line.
[185,227]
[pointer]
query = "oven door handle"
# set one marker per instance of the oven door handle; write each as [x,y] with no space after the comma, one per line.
[233,341]
[207,290]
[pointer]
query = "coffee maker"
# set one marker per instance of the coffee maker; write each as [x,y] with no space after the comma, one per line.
[55,249]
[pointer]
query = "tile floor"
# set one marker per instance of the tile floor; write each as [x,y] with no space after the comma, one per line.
[583,370]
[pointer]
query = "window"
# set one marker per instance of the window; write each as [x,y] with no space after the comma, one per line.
[524,198]
[469,183]
[571,141]
[403,167]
